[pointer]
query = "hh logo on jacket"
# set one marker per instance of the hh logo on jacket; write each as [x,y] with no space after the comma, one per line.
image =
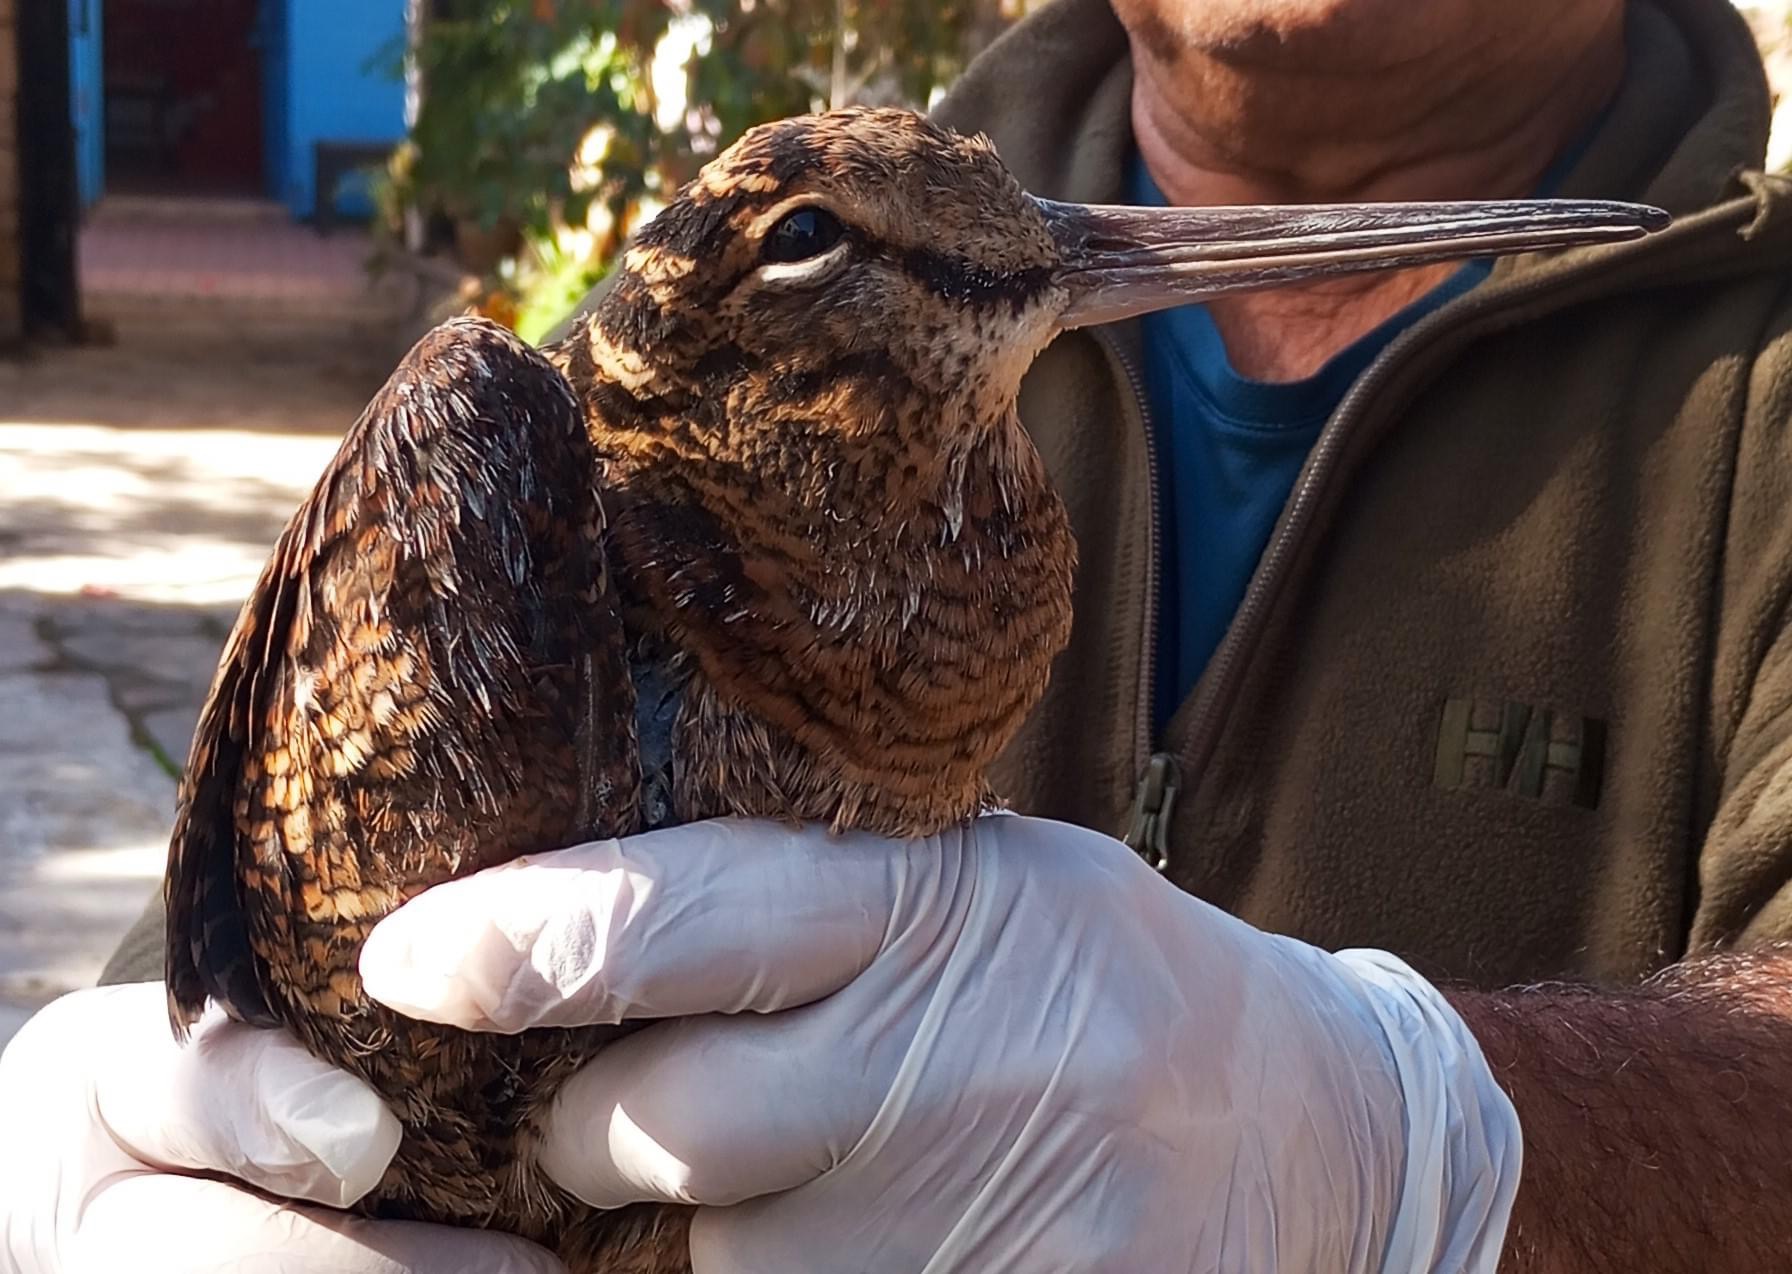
[1539,753]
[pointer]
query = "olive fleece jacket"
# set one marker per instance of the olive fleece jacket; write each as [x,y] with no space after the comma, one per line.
[1511,692]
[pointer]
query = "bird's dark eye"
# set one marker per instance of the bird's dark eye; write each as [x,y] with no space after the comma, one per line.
[805,233]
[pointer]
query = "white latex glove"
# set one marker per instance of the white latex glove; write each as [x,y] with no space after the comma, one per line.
[103,1115]
[1012,1047]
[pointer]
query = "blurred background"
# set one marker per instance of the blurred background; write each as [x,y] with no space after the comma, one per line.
[221,223]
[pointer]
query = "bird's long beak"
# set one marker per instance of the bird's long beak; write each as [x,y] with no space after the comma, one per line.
[1119,261]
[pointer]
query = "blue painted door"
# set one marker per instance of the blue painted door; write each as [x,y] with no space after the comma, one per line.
[87,96]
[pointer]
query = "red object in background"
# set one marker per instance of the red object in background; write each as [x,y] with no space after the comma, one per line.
[183,88]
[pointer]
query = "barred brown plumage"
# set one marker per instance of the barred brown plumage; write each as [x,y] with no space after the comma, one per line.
[808,539]
[762,536]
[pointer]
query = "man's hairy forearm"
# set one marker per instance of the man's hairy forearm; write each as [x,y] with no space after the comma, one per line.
[1657,1120]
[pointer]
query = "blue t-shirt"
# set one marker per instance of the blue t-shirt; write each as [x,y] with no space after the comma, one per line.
[1229,449]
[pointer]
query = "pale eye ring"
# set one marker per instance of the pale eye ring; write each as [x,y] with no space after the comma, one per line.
[801,235]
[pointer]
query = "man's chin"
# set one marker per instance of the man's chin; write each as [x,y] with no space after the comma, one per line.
[1347,36]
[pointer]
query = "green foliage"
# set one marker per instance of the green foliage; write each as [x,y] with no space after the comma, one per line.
[512,88]
[781,57]
[554,282]
[536,111]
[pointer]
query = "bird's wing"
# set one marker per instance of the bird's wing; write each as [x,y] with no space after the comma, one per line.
[430,677]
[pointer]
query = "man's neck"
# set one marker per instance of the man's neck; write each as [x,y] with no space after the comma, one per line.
[1325,113]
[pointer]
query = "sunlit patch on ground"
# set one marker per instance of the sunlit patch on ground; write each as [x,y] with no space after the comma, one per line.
[155,515]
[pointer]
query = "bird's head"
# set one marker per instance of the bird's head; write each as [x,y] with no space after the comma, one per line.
[862,272]
[875,249]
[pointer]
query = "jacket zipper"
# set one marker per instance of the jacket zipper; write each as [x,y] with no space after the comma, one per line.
[1147,826]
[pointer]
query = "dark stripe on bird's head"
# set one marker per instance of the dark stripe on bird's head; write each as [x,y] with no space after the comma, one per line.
[702,219]
[953,278]
[690,227]
[781,157]
[798,385]
[724,365]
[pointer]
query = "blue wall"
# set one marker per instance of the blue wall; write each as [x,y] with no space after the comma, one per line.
[331,92]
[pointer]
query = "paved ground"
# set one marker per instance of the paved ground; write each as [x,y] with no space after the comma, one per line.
[233,250]
[141,484]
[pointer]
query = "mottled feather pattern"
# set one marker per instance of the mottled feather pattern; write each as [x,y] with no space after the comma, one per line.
[832,569]
[407,698]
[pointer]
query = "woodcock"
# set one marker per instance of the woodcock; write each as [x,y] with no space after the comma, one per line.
[762,536]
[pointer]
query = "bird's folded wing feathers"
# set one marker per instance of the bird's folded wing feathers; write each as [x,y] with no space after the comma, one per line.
[429,676]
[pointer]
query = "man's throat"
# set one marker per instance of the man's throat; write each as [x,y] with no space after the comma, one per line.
[1291,334]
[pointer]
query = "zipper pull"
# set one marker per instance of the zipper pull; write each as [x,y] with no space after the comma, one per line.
[1148,827]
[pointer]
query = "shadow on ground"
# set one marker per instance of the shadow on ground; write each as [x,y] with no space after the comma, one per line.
[220,367]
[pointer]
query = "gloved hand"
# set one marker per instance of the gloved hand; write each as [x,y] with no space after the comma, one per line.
[1008,1047]
[103,1116]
